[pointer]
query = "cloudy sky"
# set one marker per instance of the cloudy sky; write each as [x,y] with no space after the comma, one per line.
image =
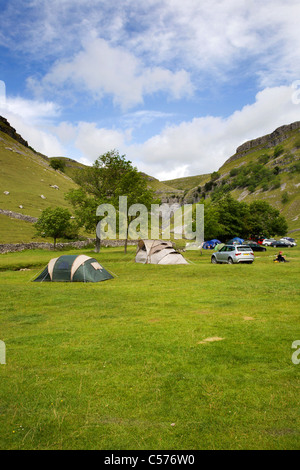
[174,85]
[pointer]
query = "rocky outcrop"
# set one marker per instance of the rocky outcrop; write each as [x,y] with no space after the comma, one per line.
[269,140]
[9,130]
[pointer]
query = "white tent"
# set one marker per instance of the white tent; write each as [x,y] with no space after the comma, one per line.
[158,252]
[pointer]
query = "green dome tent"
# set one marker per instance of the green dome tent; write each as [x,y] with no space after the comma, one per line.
[73,268]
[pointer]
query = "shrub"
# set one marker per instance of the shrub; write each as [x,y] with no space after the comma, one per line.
[276,183]
[57,164]
[234,172]
[208,186]
[265,185]
[276,170]
[297,143]
[296,167]
[285,197]
[215,176]
[278,150]
[263,159]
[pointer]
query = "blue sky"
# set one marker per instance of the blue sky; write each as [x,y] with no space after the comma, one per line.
[175,86]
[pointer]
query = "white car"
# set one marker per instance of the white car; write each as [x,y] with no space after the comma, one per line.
[268,241]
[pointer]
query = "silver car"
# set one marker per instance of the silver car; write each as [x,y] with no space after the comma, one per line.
[233,254]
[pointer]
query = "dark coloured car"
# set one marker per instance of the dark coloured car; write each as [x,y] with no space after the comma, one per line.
[255,246]
[281,243]
[288,241]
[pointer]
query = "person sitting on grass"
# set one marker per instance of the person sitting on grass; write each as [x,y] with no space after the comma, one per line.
[280,258]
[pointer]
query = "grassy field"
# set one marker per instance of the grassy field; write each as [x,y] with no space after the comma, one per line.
[160,357]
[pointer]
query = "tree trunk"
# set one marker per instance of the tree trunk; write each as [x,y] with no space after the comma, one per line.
[126,240]
[98,244]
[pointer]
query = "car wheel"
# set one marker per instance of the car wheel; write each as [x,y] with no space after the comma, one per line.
[230,261]
[213,260]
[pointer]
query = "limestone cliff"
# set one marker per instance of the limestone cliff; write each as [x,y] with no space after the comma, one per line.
[269,140]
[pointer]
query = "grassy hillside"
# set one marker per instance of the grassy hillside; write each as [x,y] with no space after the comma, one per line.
[162,189]
[188,182]
[17,231]
[71,166]
[27,176]
[284,195]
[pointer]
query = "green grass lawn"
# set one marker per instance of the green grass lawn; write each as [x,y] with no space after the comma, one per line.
[124,364]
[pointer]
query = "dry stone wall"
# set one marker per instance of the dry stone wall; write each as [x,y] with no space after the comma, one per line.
[14,247]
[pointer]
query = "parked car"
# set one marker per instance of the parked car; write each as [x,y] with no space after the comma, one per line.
[289,240]
[257,238]
[233,254]
[281,243]
[255,246]
[268,241]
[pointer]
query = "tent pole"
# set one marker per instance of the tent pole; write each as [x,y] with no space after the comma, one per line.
[36,275]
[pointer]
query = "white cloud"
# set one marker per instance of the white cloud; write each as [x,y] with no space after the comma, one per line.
[93,141]
[102,69]
[32,111]
[40,139]
[145,117]
[203,144]
[31,119]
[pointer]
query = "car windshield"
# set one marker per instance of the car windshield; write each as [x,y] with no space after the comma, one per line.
[244,248]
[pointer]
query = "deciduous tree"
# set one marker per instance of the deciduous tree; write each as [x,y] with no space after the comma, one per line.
[54,223]
[110,176]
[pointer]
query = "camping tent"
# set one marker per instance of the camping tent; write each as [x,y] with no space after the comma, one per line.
[73,268]
[158,252]
[219,246]
[235,241]
[211,244]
